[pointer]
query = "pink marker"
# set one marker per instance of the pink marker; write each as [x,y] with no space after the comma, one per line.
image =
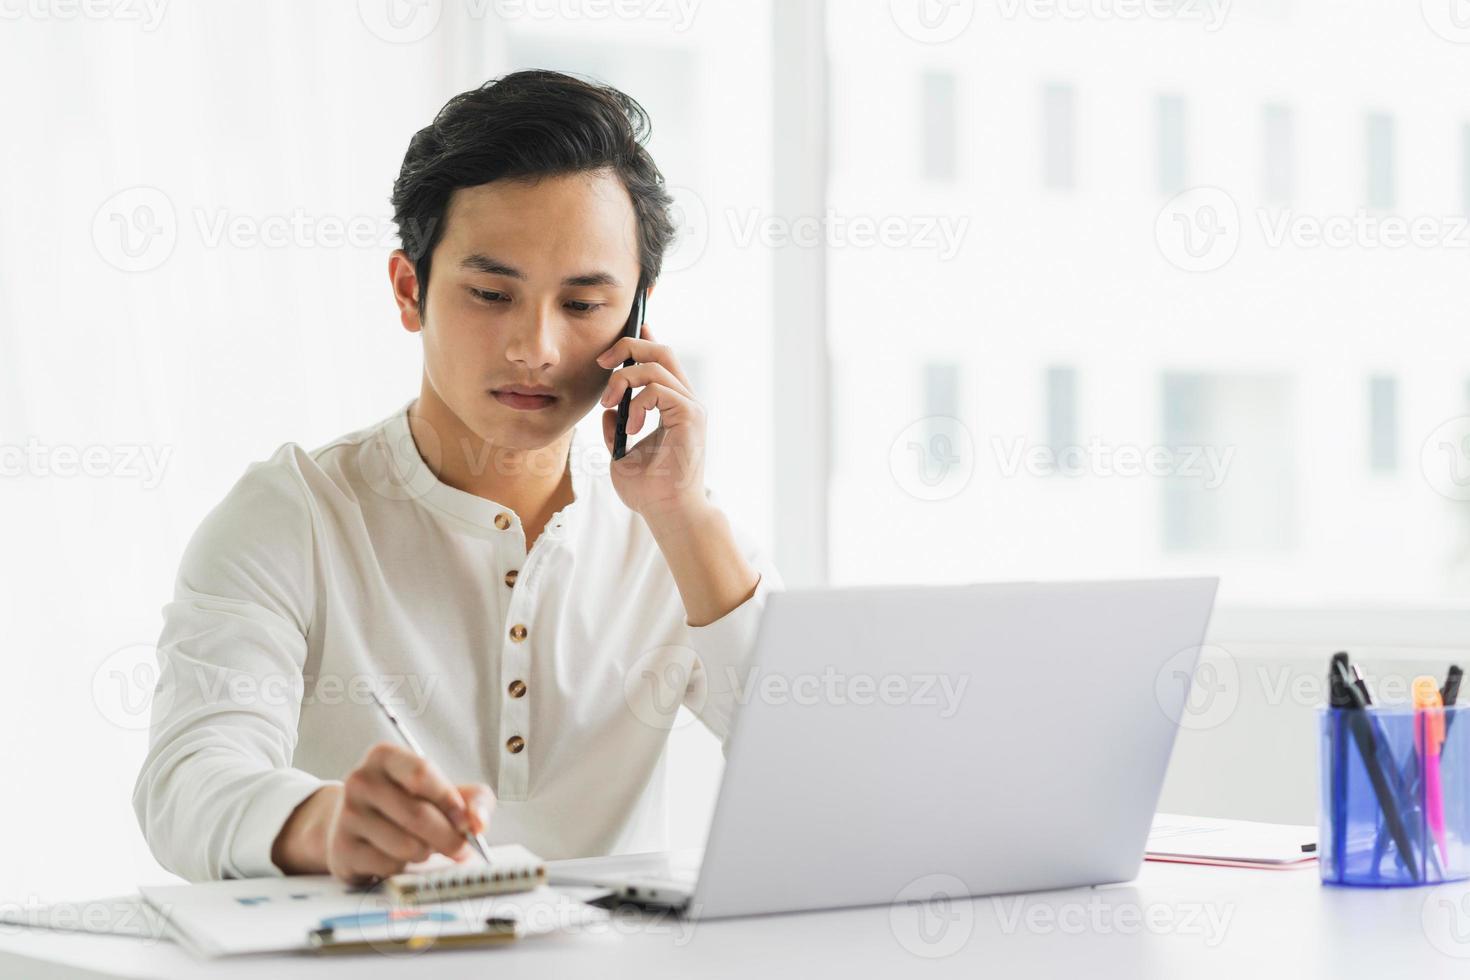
[1428,738]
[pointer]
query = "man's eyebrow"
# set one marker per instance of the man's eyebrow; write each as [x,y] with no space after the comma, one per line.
[491,267]
[591,279]
[494,267]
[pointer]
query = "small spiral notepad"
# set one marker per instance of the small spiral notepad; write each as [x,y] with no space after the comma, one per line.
[512,868]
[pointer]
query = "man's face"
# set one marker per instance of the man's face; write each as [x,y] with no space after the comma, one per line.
[529,283]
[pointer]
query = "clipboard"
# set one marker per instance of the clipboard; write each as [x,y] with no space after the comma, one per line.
[412,936]
[240,916]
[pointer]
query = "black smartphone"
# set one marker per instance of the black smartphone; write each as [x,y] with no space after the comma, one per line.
[633,328]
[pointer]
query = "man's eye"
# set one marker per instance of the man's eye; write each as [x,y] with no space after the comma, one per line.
[488,295]
[581,306]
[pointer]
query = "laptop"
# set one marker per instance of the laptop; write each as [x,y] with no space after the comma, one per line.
[988,739]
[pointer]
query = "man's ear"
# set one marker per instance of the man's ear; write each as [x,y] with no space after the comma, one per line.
[405,282]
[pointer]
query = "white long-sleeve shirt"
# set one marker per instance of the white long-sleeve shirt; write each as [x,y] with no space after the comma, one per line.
[553,676]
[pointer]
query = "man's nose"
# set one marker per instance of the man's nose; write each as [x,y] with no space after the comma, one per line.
[534,342]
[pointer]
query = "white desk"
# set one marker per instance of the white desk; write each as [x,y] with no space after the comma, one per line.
[1206,922]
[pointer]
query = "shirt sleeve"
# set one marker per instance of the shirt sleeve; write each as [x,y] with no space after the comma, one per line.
[217,784]
[723,649]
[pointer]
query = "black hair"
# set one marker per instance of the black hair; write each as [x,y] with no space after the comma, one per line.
[526,125]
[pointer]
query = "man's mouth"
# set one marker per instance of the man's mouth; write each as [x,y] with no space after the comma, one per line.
[523,398]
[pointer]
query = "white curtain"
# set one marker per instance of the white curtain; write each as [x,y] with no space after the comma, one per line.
[194,233]
[193,249]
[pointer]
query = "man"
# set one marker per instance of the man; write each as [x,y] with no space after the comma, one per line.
[536,619]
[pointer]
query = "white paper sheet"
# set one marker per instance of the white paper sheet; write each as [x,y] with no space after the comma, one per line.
[1211,839]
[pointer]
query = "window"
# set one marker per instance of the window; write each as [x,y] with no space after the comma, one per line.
[1217,499]
[1212,436]
[1380,161]
[1170,149]
[1058,137]
[1383,425]
[941,390]
[940,122]
[1465,168]
[1277,132]
[1061,408]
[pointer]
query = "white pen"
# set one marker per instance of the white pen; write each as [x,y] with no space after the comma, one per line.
[476,839]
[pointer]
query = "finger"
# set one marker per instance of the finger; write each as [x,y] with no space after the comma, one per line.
[628,378]
[609,428]
[636,348]
[415,815]
[673,406]
[421,777]
[643,352]
[364,861]
[480,802]
[388,837]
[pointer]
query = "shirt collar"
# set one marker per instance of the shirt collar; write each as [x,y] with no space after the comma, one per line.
[414,480]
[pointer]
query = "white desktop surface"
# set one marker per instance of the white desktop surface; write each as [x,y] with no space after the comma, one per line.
[1277,923]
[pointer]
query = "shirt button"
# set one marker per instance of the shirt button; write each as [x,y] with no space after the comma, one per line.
[517,632]
[517,689]
[510,578]
[514,744]
[502,520]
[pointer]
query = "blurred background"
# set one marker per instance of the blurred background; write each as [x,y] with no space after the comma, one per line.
[972,289]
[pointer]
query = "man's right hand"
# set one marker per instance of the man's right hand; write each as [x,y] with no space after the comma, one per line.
[394,808]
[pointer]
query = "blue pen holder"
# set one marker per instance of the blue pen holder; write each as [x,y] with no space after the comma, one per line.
[1379,825]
